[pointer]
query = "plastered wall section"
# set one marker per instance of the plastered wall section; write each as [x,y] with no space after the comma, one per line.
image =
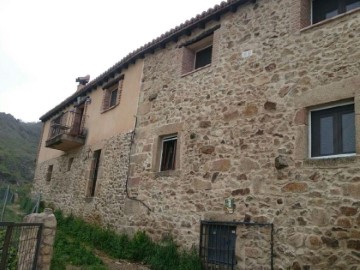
[100,126]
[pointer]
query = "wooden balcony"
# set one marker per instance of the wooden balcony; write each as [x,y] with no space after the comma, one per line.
[67,131]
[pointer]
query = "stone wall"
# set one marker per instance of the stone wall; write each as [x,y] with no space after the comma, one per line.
[239,117]
[67,188]
[242,133]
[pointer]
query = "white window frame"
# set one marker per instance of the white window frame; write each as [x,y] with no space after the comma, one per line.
[320,108]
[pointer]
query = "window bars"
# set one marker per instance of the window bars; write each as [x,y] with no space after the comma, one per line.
[218,242]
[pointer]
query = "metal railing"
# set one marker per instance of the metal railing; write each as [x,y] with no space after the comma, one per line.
[70,122]
[19,245]
[218,241]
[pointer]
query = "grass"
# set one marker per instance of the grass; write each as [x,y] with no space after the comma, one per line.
[71,252]
[74,234]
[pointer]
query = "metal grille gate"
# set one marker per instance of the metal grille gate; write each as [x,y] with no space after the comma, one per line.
[218,242]
[19,245]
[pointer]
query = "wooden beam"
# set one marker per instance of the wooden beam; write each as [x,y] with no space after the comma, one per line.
[233,9]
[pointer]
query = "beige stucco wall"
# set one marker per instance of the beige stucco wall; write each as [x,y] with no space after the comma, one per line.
[103,125]
[120,119]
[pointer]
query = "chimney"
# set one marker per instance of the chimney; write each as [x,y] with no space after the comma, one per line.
[82,82]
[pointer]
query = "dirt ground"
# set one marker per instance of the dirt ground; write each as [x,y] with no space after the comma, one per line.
[113,264]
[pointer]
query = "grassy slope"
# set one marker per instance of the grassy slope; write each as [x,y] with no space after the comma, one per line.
[18,147]
[74,234]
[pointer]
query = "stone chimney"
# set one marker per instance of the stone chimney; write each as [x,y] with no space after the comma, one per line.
[82,82]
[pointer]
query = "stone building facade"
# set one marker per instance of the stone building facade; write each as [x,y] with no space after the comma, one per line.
[262,128]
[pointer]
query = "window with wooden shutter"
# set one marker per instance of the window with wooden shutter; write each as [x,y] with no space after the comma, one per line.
[112,94]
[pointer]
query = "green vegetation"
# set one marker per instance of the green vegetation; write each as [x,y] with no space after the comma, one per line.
[72,252]
[12,261]
[74,234]
[18,146]
[19,203]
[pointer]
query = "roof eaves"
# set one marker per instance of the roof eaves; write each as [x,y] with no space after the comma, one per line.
[198,21]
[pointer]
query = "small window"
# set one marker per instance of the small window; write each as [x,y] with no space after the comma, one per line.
[168,153]
[112,95]
[70,162]
[217,246]
[197,54]
[333,131]
[94,173]
[326,9]
[49,173]
[203,57]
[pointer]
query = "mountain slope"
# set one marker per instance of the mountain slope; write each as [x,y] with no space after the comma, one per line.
[18,148]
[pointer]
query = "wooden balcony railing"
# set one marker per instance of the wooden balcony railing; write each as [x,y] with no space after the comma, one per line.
[67,131]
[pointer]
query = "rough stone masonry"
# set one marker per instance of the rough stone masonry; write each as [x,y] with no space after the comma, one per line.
[242,127]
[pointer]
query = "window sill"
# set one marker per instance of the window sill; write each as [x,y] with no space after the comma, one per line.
[167,173]
[195,70]
[110,108]
[326,21]
[331,161]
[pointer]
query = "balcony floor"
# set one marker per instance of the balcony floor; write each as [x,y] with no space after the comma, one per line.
[65,142]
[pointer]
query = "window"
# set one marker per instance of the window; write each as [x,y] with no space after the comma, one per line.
[49,173]
[203,57]
[217,244]
[94,173]
[197,54]
[113,97]
[325,9]
[70,162]
[112,94]
[168,153]
[332,131]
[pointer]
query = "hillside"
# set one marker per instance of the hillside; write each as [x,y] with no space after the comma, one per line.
[18,148]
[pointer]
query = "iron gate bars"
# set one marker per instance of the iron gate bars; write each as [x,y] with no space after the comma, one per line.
[218,242]
[19,245]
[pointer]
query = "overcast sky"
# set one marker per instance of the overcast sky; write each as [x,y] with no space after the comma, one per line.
[45,45]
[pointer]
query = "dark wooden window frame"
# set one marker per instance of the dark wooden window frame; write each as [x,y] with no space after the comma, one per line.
[112,94]
[193,50]
[49,173]
[335,112]
[317,15]
[203,57]
[113,97]
[168,152]
[94,170]
[70,162]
